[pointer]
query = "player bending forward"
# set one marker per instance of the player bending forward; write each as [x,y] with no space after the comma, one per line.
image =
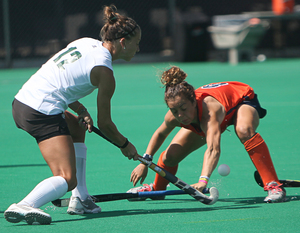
[203,114]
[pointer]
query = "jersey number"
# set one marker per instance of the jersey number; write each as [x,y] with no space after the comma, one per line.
[67,57]
[214,85]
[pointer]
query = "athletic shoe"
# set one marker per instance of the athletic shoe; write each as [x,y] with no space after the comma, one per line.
[276,193]
[88,206]
[17,213]
[144,188]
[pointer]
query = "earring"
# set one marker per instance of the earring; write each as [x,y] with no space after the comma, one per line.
[124,47]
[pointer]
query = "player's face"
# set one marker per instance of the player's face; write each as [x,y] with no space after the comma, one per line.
[132,46]
[183,109]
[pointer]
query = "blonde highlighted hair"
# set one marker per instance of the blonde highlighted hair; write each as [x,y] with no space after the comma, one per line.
[174,81]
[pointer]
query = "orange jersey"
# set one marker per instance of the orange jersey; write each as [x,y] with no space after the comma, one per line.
[229,94]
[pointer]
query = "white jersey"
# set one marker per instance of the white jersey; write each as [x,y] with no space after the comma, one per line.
[65,78]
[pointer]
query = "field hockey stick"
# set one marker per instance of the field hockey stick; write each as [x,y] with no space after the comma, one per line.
[285,183]
[214,193]
[121,196]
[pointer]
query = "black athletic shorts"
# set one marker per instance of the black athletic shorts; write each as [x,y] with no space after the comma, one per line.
[38,125]
[255,104]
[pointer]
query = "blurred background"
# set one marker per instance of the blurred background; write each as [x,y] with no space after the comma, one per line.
[31,31]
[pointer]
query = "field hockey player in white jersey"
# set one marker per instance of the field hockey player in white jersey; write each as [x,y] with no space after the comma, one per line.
[40,107]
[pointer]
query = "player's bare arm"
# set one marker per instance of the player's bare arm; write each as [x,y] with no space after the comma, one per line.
[85,120]
[103,78]
[162,133]
[75,105]
[213,115]
[157,139]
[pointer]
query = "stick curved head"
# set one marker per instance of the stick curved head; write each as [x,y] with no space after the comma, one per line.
[214,195]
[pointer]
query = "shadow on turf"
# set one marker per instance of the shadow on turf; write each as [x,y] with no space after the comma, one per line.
[239,203]
[23,165]
[134,212]
[245,200]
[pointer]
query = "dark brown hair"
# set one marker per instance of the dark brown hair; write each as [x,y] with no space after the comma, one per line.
[173,80]
[117,26]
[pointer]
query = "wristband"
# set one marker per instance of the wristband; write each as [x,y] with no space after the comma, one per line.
[206,177]
[204,181]
[147,157]
[125,144]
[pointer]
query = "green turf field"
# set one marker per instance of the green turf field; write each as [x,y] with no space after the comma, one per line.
[138,109]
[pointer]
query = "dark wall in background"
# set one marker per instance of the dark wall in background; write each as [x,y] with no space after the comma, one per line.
[39,28]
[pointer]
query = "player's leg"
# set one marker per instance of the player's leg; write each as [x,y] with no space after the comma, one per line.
[246,123]
[184,143]
[55,143]
[78,137]
[58,152]
[80,193]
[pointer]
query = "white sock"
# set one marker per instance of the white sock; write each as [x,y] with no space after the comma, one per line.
[48,190]
[81,189]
